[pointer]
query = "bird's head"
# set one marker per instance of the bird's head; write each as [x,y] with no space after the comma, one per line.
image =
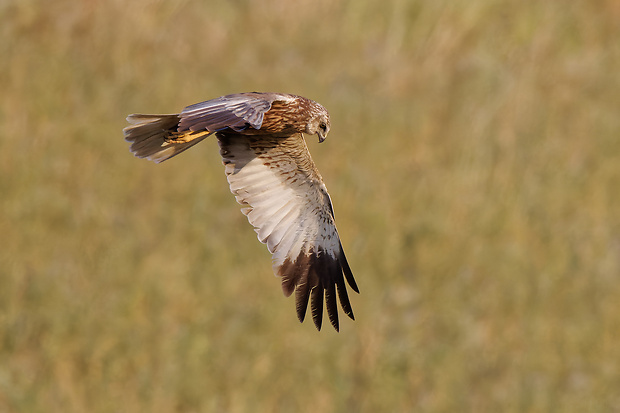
[319,124]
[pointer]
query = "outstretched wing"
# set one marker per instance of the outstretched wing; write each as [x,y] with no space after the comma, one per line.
[238,112]
[288,205]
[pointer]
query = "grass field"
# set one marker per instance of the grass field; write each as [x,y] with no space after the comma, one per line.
[474,165]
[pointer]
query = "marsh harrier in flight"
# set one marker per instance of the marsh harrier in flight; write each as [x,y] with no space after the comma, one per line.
[272,175]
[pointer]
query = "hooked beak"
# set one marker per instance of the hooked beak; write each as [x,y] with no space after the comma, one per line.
[321,137]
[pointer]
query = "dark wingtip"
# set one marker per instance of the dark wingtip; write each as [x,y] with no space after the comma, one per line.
[318,278]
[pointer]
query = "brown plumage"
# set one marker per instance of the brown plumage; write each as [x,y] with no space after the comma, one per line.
[271,173]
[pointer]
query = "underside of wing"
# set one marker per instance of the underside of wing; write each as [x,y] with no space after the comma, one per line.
[288,205]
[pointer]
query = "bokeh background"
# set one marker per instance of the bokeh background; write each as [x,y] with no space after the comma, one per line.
[474,165]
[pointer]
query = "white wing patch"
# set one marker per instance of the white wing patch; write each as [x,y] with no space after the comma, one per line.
[289,212]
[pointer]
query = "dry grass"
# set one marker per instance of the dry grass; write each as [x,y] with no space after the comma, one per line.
[474,163]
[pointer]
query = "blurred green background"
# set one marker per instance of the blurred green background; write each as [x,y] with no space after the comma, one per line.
[474,165]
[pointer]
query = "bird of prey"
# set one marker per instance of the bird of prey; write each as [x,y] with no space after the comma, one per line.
[272,175]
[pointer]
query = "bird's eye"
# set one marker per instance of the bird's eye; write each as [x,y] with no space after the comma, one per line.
[323,126]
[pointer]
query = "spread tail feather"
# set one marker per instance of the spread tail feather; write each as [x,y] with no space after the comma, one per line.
[155,137]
